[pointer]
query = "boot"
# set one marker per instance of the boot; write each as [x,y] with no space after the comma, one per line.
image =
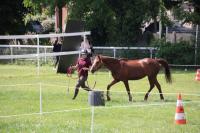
[87,88]
[75,93]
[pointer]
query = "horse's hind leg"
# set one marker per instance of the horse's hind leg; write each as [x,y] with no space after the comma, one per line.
[108,88]
[128,90]
[159,89]
[151,82]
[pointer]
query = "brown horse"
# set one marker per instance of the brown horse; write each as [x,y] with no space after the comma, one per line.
[124,70]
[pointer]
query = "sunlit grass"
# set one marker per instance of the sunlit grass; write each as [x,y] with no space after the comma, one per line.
[118,116]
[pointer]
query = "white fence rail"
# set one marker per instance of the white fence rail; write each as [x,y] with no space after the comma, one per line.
[46,52]
[114,49]
[44,35]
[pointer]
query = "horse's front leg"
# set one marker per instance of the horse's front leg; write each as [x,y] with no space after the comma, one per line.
[108,88]
[128,90]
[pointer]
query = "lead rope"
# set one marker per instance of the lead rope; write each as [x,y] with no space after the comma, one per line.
[69,74]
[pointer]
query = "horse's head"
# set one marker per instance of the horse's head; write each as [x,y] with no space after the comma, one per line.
[97,63]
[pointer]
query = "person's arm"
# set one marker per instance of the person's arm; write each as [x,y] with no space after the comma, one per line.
[82,45]
[88,65]
[74,67]
[85,68]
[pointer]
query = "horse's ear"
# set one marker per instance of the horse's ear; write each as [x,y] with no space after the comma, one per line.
[99,57]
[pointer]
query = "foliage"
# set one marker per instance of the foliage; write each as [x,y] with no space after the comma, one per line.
[115,21]
[169,4]
[48,26]
[187,16]
[110,21]
[42,10]
[29,17]
[175,53]
[98,18]
[38,6]
[12,14]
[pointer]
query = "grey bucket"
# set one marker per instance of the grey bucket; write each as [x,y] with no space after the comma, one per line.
[96,98]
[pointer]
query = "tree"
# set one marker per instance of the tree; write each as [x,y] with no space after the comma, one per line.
[196,15]
[187,16]
[98,18]
[111,21]
[37,7]
[12,14]
[115,21]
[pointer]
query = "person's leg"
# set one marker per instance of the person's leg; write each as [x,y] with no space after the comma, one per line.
[57,60]
[84,78]
[77,88]
[81,83]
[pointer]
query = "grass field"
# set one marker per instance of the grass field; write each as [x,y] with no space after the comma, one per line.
[20,104]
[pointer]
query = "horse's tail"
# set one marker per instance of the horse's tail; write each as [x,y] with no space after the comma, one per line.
[167,70]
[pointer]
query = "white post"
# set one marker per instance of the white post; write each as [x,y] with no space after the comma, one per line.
[84,38]
[151,53]
[92,119]
[196,42]
[114,52]
[160,29]
[45,58]
[68,85]
[38,57]
[15,41]
[40,98]
[11,53]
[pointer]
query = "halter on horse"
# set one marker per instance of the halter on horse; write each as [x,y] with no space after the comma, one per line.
[124,70]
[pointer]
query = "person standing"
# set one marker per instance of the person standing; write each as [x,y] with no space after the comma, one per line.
[86,45]
[82,67]
[57,48]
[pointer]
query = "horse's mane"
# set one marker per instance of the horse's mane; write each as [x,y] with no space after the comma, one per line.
[117,59]
[111,63]
[112,58]
[123,59]
[107,59]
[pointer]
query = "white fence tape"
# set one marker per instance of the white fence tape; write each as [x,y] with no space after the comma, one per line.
[58,84]
[101,107]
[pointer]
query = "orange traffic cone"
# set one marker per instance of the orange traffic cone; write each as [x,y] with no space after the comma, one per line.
[180,115]
[198,75]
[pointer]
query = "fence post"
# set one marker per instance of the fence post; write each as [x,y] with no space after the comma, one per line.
[11,53]
[45,57]
[92,119]
[40,98]
[114,52]
[151,52]
[38,56]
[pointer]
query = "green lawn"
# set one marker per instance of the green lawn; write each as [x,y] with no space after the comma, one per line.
[19,103]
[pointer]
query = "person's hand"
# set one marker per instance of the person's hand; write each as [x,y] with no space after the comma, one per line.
[85,68]
[72,67]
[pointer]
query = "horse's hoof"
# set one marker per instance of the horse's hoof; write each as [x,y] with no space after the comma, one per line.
[108,99]
[162,100]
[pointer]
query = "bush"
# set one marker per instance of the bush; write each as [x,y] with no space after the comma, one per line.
[48,26]
[175,53]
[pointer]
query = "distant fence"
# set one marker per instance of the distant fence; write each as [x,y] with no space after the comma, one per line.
[27,49]
[11,52]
